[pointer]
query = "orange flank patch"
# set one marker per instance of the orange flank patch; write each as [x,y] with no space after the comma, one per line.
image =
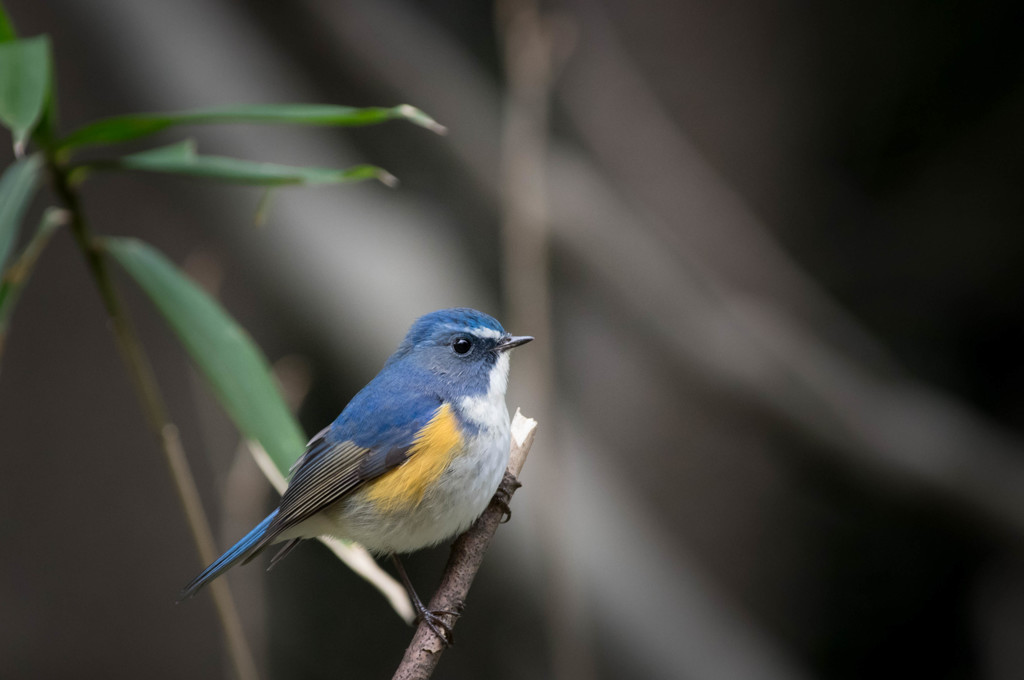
[433,449]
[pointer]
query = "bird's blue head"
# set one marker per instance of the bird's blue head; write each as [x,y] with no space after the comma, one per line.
[462,346]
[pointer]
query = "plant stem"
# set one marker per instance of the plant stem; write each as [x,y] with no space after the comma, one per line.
[148,392]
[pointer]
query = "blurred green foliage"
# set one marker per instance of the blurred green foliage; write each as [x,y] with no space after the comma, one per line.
[235,368]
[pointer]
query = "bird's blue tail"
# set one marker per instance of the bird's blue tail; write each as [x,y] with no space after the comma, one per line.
[241,550]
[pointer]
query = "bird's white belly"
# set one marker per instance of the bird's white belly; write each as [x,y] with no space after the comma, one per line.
[448,508]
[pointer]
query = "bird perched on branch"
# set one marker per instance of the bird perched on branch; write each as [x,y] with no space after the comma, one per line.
[412,460]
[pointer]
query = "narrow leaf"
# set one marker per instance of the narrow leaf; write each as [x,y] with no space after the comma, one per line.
[7,32]
[182,159]
[24,83]
[224,353]
[48,120]
[17,187]
[125,128]
[15,278]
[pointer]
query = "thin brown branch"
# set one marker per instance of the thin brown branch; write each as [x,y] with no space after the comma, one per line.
[424,652]
[141,372]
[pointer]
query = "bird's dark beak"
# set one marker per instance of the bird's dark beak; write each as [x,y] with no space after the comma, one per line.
[507,342]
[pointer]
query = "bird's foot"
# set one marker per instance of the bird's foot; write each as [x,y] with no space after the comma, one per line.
[434,618]
[503,495]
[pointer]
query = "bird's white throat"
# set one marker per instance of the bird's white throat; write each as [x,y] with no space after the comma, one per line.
[488,410]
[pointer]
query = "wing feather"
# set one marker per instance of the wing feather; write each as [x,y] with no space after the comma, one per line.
[374,434]
[327,472]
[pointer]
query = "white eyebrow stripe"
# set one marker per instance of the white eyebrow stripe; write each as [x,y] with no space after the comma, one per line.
[478,331]
[488,333]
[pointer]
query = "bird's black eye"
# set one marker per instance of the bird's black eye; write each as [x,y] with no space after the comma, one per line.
[461,345]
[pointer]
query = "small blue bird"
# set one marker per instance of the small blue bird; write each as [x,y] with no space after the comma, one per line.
[413,459]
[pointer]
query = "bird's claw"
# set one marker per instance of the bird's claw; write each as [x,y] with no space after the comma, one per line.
[503,495]
[437,624]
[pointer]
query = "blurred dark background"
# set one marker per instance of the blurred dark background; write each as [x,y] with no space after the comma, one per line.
[772,255]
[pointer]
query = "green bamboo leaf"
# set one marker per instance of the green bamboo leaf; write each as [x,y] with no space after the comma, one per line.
[182,159]
[24,84]
[7,32]
[125,128]
[17,187]
[224,353]
[15,278]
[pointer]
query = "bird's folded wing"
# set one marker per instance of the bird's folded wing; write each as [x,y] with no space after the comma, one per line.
[328,470]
